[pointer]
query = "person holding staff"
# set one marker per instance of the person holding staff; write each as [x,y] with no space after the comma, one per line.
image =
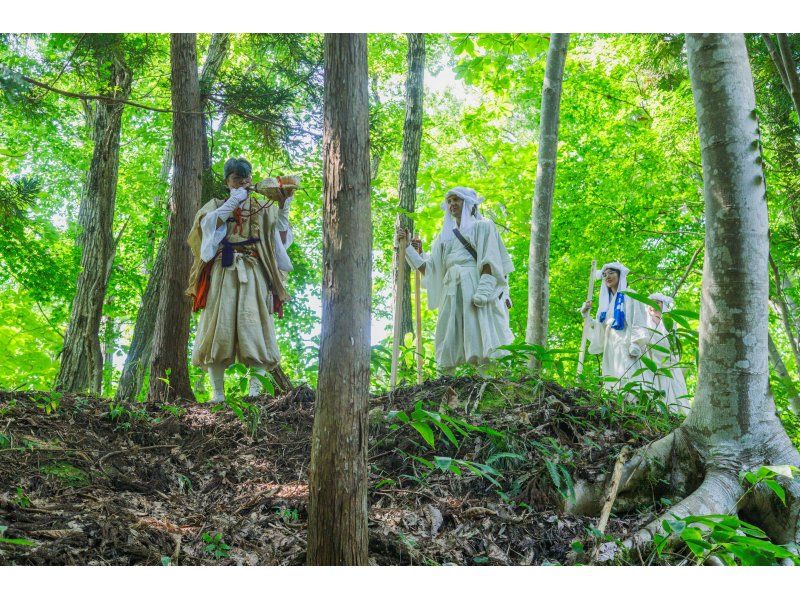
[466,276]
[616,327]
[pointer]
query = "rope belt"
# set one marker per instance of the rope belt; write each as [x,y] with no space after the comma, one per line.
[229,248]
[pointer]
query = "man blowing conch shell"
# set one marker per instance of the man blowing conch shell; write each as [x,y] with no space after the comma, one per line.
[238,276]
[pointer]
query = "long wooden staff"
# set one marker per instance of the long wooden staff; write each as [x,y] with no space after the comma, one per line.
[418,298]
[589,296]
[400,262]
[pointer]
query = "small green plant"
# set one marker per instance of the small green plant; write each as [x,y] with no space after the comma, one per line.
[174,410]
[67,473]
[165,379]
[5,441]
[248,413]
[287,515]
[8,408]
[450,427]
[22,499]
[47,401]
[14,541]
[727,537]
[215,546]
[733,541]
[166,561]
[519,355]
[184,483]
[457,466]
[117,411]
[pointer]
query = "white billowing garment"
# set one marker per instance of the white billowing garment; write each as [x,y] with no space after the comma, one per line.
[237,323]
[615,345]
[465,333]
[675,393]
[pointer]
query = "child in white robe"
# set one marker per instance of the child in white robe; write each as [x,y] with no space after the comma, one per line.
[656,335]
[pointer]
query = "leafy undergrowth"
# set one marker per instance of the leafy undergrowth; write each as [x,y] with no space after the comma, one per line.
[462,471]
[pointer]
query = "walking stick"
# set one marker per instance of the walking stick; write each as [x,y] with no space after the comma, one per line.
[400,262]
[418,298]
[589,296]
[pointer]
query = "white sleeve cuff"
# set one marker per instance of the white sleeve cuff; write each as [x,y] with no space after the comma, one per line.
[283,215]
[414,258]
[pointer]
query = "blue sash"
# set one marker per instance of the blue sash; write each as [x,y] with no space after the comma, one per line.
[619,312]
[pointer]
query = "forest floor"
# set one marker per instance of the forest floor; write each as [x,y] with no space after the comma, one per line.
[463,471]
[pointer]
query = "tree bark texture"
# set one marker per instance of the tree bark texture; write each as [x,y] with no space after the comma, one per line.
[409,160]
[137,360]
[171,335]
[337,529]
[81,358]
[541,211]
[791,81]
[138,357]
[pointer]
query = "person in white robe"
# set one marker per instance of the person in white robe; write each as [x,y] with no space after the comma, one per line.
[241,244]
[616,327]
[654,339]
[467,282]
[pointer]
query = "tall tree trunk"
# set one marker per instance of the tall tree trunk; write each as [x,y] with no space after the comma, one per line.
[171,335]
[337,523]
[217,51]
[140,351]
[409,160]
[138,358]
[541,212]
[81,359]
[782,373]
[791,81]
[784,313]
[109,347]
[732,426]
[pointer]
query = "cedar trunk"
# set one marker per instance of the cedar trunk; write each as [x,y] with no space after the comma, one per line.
[337,527]
[171,335]
[138,358]
[81,358]
[541,212]
[409,160]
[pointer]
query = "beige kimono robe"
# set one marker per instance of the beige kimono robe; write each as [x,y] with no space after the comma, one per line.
[237,324]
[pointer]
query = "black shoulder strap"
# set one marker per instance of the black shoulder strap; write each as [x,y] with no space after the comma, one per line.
[467,245]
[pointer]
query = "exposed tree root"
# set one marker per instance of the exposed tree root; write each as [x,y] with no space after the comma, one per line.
[707,482]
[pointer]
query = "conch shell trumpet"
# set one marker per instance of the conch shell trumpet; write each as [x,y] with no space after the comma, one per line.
[276,188]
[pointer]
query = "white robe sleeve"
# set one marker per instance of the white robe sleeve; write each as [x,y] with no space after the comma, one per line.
[433,279]
[212,235]
[491,250]
[283,222]
[596,334]
[282,225]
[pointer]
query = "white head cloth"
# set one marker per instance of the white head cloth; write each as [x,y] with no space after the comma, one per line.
[667,303]
[623,283]
[471,200]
